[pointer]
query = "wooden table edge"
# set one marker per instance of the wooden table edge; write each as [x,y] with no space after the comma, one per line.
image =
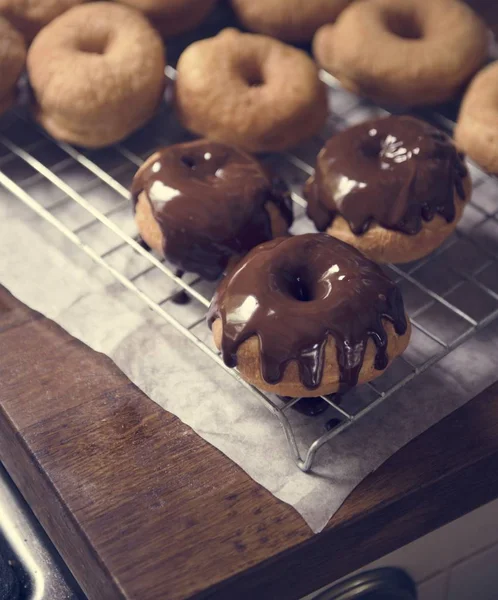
[357,541]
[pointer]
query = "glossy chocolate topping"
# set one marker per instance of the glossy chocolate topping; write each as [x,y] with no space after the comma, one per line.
[395,171]
[295,292]
[312,406]
[209,201]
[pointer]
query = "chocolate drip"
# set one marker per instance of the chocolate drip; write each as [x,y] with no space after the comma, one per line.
[209,201]
[181,297]
[312,406]
[331,424]
[293,293]
[141,242]
[397,172]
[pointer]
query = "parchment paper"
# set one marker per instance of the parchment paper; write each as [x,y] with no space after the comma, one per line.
[48,273]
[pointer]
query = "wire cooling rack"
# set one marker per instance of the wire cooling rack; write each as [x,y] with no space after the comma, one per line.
[449,295]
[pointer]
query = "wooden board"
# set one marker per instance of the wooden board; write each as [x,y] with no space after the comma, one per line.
[98,462]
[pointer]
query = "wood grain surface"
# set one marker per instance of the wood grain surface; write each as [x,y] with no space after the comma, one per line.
[98,463]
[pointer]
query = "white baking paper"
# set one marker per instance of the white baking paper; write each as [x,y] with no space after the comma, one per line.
[48,273]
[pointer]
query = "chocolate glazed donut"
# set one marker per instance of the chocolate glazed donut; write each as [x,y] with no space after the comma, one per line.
[396,187]
[308,315]
[203,204]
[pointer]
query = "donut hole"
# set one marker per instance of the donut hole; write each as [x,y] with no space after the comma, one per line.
[296,284]
[94,45]
[403,25]
[371,147]
[189,162]
[204,164]
[255,81]
[252,74]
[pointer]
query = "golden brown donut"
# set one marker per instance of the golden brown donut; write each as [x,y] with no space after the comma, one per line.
[289,20]
[29,16]
[476,131]
[12,59]
[172,17]
[395,188]
[203,205]
[249,91]
[403,52]
[97,73]
[308,316]
[385,246]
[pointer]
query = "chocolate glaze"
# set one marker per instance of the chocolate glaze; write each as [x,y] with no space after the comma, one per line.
[181,297]
[141,242]
[331,424]
[209,201]
[396,171]
[312,406]
[293,293]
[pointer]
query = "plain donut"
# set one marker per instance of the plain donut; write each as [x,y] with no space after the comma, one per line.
[172,17]
[97,73]
[288,20]
[250,91]
[30,16]
[12,59]
[476,131]
[403,52]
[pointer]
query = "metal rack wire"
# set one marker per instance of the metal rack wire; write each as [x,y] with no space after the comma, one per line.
[449,295]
